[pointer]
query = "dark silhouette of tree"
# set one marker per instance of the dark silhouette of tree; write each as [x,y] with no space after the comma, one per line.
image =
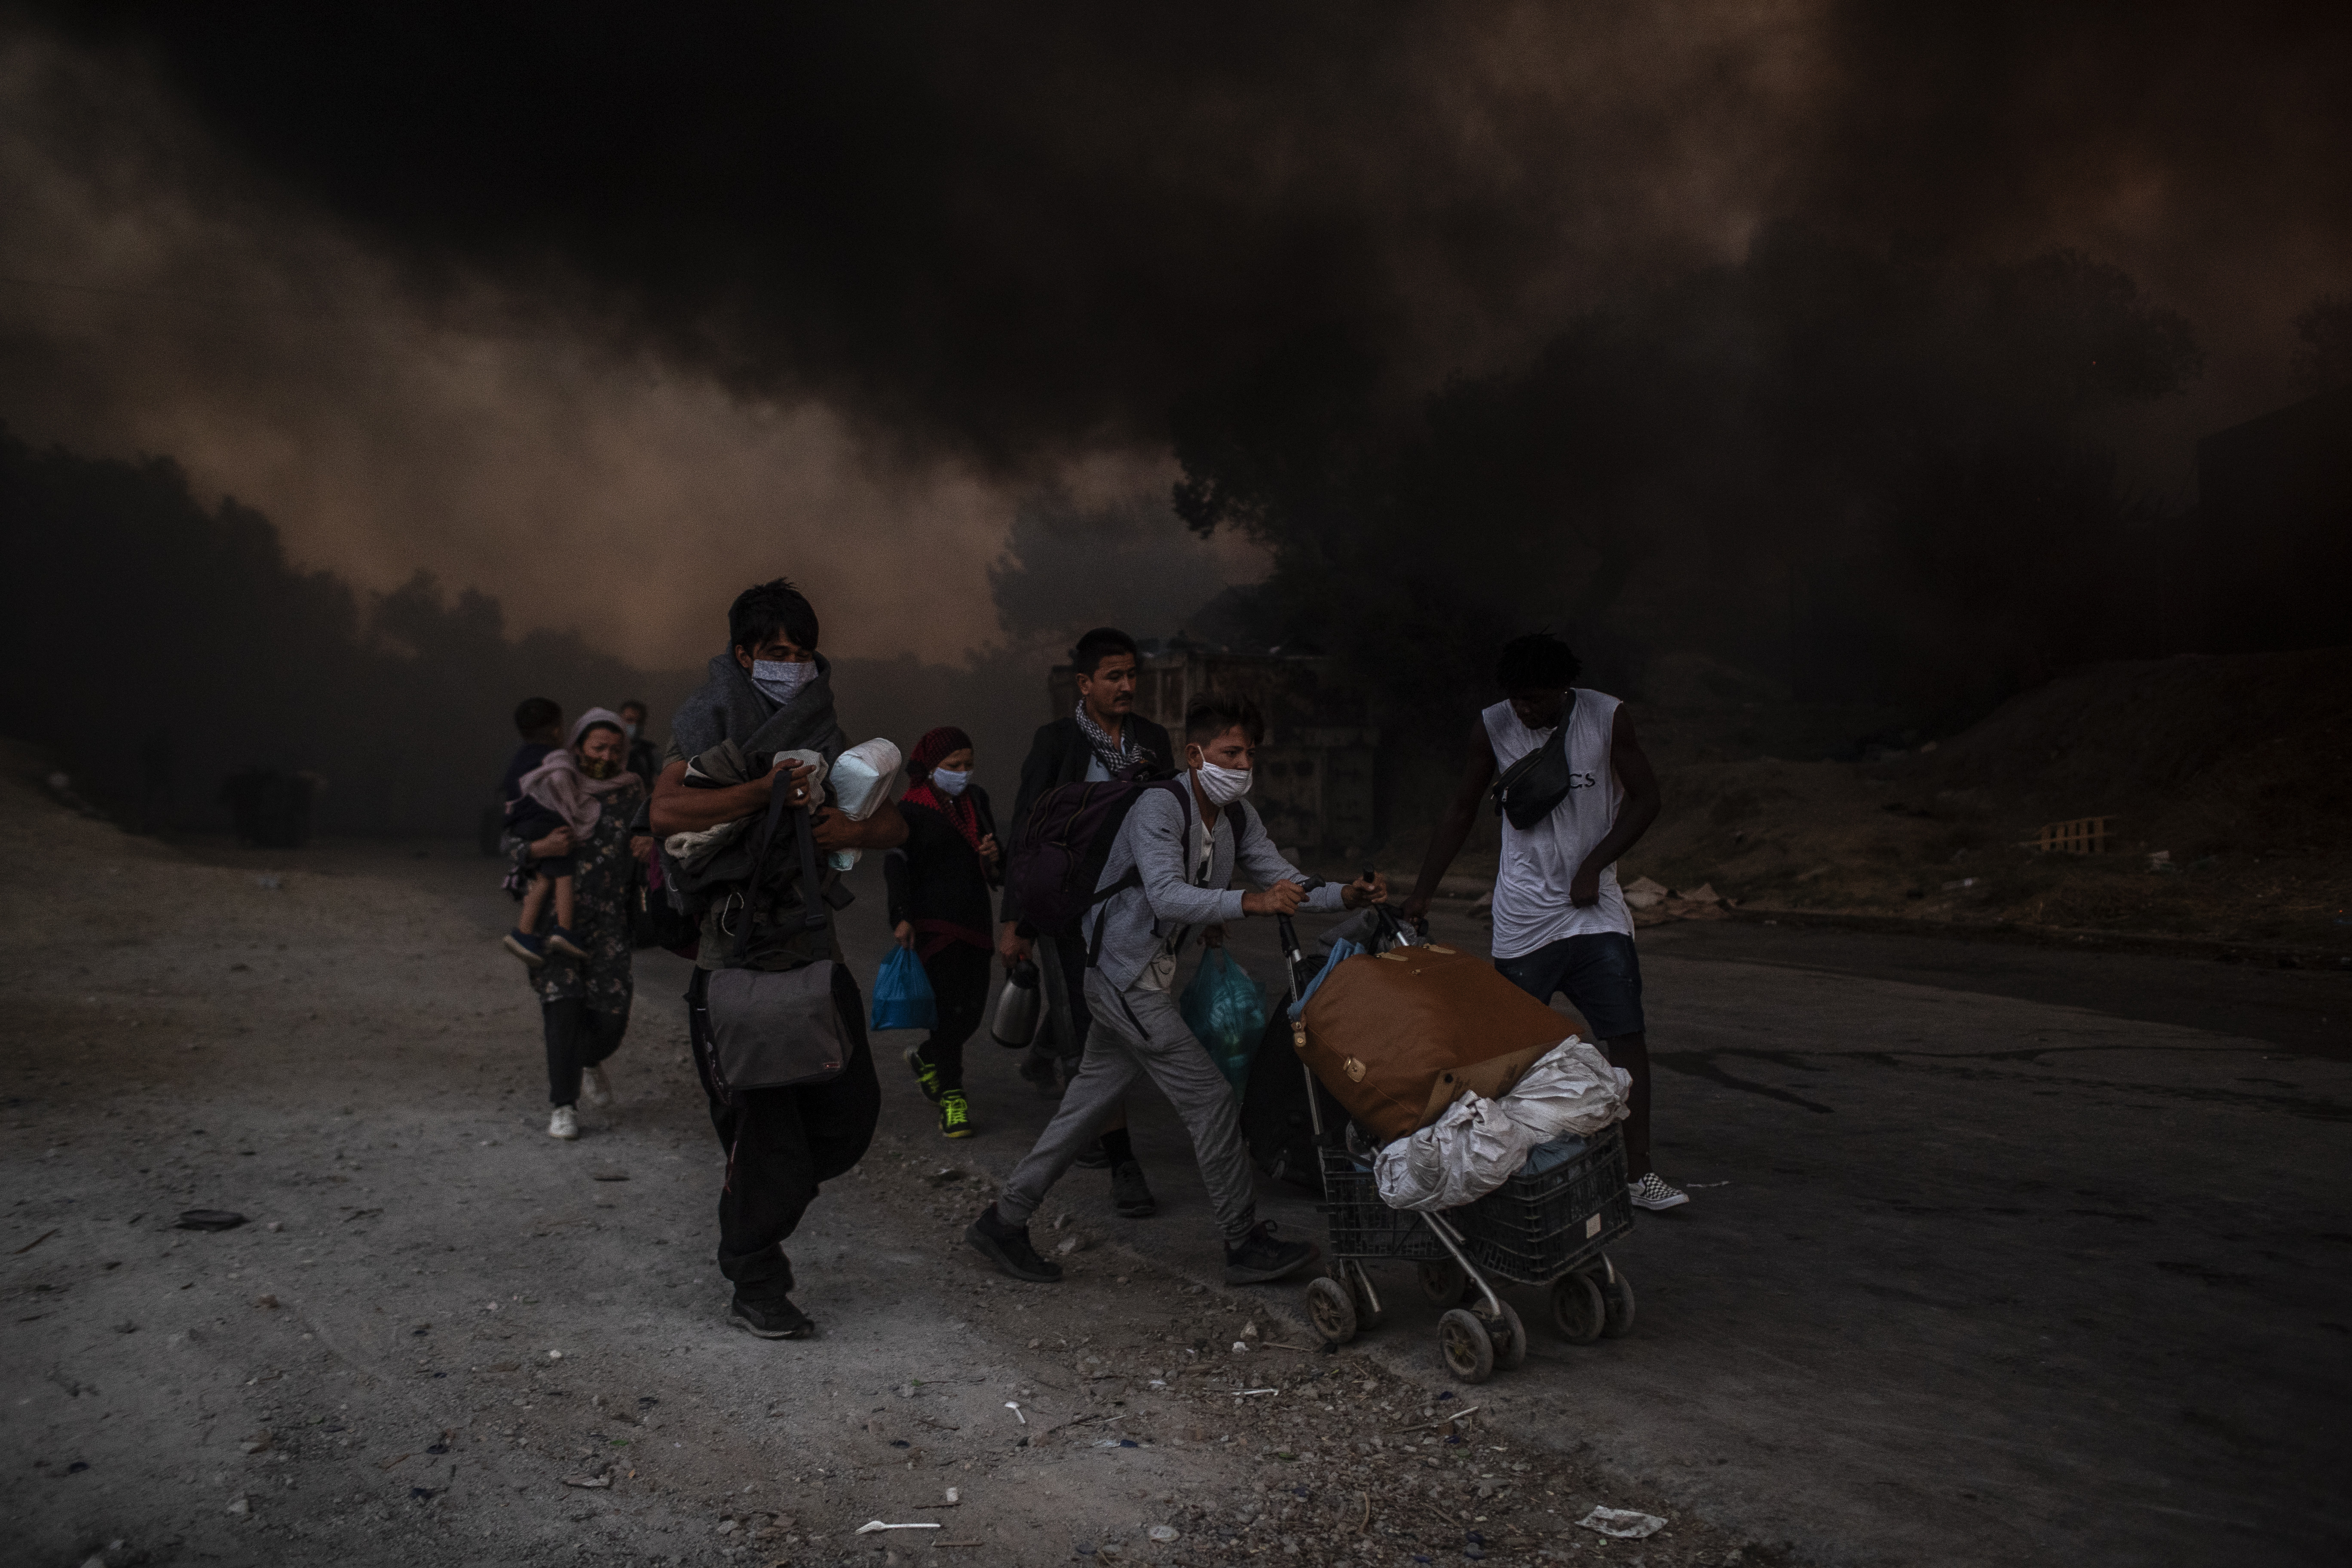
[1871,471]
[2323,331]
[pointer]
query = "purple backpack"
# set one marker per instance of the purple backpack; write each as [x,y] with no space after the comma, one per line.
[1059,857]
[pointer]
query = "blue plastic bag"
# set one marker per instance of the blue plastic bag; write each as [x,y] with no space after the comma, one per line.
[1226,1013]
[902,993]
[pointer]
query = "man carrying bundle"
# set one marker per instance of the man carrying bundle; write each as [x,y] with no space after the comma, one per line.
[1167,871]
[770,693]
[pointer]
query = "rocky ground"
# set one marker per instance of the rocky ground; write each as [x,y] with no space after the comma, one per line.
[440,1337]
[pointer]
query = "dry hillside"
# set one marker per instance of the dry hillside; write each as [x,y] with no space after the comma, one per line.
[2228,781]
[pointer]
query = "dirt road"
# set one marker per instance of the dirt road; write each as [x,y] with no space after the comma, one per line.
[443,1338]
[1991,1263]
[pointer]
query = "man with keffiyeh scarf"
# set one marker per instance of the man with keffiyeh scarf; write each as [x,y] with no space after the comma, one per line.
[1102,736]
[939,883]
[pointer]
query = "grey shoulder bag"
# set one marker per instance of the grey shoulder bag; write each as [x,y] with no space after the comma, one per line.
[778,1028]
[775,1028]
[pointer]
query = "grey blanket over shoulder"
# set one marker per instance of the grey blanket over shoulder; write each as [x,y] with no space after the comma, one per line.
[729,710]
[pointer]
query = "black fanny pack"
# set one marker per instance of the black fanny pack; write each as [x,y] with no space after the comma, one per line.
[1531,787]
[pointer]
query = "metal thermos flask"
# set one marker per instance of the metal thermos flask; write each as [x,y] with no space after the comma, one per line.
[1018,1007]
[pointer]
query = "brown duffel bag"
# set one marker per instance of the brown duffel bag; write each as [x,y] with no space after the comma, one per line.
[1398,1037]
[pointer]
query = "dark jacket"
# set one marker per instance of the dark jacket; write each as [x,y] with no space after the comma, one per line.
[528,755]
[645,761]
[1060,755]
[936,875]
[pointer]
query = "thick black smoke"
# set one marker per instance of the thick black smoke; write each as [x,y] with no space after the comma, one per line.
[1012,227]
[1773,328]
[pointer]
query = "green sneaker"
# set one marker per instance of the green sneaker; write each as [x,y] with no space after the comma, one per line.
[926,1077]
[955,1115]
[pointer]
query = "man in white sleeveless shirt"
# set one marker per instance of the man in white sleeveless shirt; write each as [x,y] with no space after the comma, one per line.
[1560,924]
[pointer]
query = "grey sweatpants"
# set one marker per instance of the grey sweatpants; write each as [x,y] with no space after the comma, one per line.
[1117,1051]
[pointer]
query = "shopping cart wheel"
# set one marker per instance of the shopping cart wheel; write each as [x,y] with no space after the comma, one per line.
[1618,1297]
[1333,1307]
[1443,1281]
[1578,1310]
[1462,1339]
[1510,1337]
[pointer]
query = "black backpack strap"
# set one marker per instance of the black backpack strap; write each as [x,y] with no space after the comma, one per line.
[812,897]
[811,901]
[1134,879]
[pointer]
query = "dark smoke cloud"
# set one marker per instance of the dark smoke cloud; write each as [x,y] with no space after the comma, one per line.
[1005,229]
[610,311]
[1011,229]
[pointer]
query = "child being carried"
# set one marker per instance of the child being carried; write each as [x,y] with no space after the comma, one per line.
[565,791]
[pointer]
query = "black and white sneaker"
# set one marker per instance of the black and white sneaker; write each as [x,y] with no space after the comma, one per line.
[1007,1247]
[1649,1192]
[1260,1257]
[776,1319]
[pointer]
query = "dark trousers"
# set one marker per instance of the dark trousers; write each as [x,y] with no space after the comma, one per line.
[780,1144]
[1600,975]
[577,1039]
[958,974]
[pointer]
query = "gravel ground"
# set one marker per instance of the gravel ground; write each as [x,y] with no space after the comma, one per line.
[441,1337]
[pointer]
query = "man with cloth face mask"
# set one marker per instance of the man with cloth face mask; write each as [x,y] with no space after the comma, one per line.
[1171,863]
[772,691]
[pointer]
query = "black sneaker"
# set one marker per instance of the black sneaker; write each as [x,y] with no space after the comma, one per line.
[1260,1257]
[1129,1195]
[1092,1158]
[1007,1247]
[776,1319]
[1041,1069]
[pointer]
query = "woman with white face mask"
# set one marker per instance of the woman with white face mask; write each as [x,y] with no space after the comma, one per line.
[939,882]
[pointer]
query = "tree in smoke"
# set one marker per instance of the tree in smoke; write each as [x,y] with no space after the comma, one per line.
[2323,355]
[1873,472]
[144,624]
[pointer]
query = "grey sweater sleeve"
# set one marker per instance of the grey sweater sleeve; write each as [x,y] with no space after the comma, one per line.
[1262,863]
[1155,830]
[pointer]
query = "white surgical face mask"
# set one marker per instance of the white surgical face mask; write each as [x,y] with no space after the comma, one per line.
[950,781]
[1222,786]
[779,679]
[632,728]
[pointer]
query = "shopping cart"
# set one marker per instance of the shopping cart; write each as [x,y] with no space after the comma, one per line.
[1547,1229]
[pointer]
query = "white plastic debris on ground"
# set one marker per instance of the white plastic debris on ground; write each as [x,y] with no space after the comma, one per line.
[1623,1523]
[1478,1144]
[1641,892]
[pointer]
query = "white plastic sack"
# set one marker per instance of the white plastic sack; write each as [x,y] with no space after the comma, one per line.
[1478,1144]
[864,777]
[1572,1089]
[1465,1154]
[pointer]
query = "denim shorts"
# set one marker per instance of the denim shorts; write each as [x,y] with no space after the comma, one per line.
[1599,974]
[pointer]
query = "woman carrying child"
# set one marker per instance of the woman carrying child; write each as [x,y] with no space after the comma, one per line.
[587,789]
[939,883]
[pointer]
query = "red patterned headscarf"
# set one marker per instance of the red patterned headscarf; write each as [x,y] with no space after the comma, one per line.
[935,745]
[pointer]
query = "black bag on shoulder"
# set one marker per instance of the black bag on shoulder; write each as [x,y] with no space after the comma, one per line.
[1531,787]
[778,1028]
